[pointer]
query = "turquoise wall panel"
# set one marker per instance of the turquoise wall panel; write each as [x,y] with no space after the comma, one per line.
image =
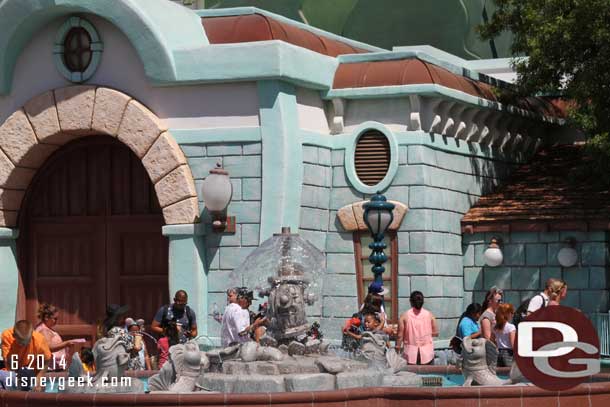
[10,277]
[282,158]
[530,259]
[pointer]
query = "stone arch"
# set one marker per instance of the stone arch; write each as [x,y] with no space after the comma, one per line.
[31,134]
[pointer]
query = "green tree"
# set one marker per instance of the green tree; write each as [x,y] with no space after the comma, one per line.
[567,44]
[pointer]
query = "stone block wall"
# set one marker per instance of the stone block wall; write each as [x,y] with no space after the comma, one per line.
[530,258]
[224,252]
[439,187]
[318,203]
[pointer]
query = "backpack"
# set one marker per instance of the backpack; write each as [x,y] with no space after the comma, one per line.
[167,318]
[521,311]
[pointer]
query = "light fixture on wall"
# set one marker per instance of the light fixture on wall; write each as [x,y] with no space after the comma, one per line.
[378,216]
[217,192]
[493,255]
[568,256]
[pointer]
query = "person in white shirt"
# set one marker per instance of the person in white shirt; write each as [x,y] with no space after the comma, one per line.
[541,300]
[236,320]
[504,333]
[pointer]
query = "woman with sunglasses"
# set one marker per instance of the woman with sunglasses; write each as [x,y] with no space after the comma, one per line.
[47,314]
[487,320]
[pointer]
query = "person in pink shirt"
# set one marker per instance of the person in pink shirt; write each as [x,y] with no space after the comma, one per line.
[47,314]
[416,328]
[171,337]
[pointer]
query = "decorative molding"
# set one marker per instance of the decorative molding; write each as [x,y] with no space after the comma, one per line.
[193,229]
[435,91]
[336,117]
[410,138]
[351,218]
[415,114]
[9,233]
[73,112]
[217,135]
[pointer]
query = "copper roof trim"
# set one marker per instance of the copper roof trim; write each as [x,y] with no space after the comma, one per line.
[413,71]
[258,27]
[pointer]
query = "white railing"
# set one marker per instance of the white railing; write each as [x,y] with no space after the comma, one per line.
[601,320]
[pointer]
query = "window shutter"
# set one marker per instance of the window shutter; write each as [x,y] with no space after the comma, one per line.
[372,157]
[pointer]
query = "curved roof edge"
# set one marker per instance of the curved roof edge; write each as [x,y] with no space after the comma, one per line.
[243,11]
[141,21]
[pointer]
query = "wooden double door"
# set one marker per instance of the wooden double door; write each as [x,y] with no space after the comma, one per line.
[91,236]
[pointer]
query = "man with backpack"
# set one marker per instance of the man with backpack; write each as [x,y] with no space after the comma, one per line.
[177,312]
[533,304]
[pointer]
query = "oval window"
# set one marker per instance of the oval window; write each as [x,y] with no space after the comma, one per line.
[77,50]
[372,157]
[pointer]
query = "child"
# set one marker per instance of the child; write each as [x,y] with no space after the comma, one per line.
[351,334]
[374,341]
[505,334]
[138,358]
[86,357]
[171,337]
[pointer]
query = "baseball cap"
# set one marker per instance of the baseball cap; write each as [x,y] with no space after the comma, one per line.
[377,288]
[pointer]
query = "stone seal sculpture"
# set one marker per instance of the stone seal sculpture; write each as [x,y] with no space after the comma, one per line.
[111,356]
[479,363]
[182,370]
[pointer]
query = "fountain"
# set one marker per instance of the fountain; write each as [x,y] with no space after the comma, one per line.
[293,363]
[287,271]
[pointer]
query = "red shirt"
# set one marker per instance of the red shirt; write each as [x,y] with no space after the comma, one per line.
[163,347]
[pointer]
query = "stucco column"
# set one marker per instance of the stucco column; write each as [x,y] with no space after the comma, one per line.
[186,268]
[282,158]
[9,283]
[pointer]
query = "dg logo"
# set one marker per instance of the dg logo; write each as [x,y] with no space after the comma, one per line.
[557,348]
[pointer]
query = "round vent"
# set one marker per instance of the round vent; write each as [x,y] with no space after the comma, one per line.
[372,157]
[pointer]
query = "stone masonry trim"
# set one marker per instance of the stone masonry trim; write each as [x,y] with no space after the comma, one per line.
[350,216]
[56,117]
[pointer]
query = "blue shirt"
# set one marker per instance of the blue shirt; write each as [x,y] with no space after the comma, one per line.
[467,327]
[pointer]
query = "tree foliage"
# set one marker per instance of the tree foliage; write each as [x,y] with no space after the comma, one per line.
[567,43]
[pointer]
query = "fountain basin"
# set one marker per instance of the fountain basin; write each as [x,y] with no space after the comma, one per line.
[595,393]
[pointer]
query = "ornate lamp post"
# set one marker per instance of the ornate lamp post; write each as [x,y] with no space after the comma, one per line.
[378,216]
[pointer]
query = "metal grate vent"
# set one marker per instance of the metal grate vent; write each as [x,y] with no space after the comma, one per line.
[372,157]
[431,381]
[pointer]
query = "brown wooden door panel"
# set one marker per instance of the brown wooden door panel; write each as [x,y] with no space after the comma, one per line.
[91,236]
[68,265]
[138,262]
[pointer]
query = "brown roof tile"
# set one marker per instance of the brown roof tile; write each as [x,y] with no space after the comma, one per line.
[405,72]
[257,27]
[540,191]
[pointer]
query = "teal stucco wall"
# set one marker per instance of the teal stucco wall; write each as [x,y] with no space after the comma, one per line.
[224,252]
[439,180]
[530,258]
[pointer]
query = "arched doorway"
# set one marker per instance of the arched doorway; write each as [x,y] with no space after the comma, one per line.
[91,236]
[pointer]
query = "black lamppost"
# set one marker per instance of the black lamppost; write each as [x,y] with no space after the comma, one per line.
[378,216]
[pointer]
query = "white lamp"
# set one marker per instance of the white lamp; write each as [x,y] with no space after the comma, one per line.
[217,192]
[493,254]
[568,256]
